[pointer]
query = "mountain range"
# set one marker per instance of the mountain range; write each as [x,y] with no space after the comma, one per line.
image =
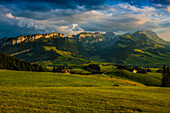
[144,48]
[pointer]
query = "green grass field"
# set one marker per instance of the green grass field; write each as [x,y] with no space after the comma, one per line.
[79,71]
[149,79]
[72,93]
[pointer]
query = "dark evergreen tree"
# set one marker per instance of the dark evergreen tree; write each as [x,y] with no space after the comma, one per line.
[54,70]
[148,70]
[165,77]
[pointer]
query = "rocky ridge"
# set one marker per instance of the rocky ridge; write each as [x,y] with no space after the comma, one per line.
[19,39]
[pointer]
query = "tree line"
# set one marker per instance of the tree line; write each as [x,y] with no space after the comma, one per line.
[12,63]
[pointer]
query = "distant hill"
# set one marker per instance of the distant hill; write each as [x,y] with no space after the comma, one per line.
[139,48]
[153,36]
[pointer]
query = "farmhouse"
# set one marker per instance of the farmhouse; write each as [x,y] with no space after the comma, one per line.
[134,71]
[65,71]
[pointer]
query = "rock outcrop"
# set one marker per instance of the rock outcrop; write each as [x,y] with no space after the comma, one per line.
[93,37]
[19,39]
[70,36]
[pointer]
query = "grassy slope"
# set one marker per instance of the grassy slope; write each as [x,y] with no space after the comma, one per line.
[49,92]
[144,58]
[48,79]
[150,79]
[65,58]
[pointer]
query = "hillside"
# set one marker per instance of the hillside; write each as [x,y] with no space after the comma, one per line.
[48,51]
[150,34]
[139,49]
[143,48]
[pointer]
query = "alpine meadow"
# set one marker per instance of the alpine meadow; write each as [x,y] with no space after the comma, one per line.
[84,56]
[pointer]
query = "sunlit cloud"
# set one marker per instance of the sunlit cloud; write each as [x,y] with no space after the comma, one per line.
[9,15]
[168,9]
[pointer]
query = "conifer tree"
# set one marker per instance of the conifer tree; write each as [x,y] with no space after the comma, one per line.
[165,77]
[54,70]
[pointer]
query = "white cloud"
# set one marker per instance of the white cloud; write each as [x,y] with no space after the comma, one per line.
[83,18]
[69,30]
[144,9]
[168,9]
[9,15]
[112,9]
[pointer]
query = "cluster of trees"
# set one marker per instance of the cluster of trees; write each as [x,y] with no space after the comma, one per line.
[129,68]
[165,76]
[11,63]
[58,69]
[93,68]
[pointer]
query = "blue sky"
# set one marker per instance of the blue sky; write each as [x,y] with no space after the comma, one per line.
[19,17]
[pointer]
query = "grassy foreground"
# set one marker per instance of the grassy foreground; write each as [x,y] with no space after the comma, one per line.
[51,92]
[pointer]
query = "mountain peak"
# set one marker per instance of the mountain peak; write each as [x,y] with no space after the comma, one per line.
[109,35]
[146,32]
[150,34]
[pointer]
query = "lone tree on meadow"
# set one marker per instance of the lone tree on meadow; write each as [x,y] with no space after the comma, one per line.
[165,77]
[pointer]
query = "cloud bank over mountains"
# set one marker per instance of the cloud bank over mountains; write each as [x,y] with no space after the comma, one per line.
[18,17]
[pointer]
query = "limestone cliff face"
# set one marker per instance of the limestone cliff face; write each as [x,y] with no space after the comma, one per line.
[19,39]
[90,37]
[82,36]
[70,36]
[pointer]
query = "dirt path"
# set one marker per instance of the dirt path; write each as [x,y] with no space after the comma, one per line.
[20,52]
[105,75]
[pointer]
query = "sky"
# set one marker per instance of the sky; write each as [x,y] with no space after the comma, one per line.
[20,17]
